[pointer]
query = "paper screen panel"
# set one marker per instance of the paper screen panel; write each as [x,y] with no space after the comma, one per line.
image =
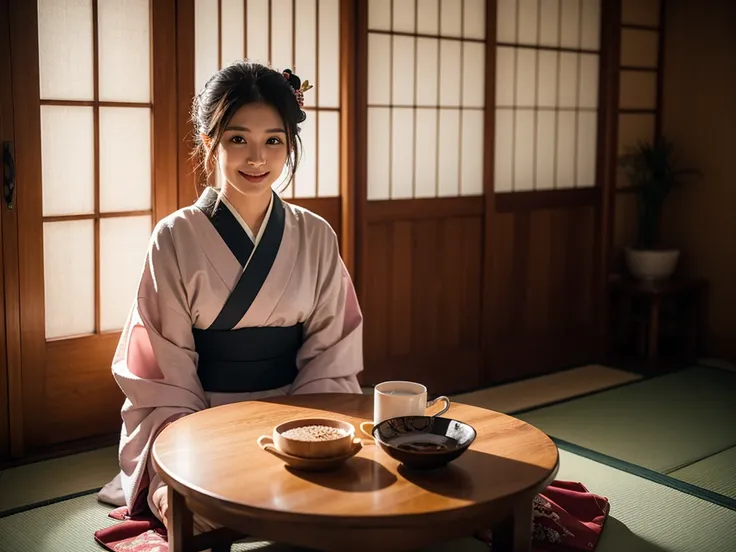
[205,42]
[69,278]
[505,76]
[402,153]
[425,153]
[427,74]
[124,50]
[328,90]
[404,16]
[639,48]
[570,23]
[474,19]
[450,73]
[633,128]
[428,21]
[281,36]
[640,12]
[549,28]
[526,77]
[528,21]
[566,126]
[586,155]
[125,159]
[451,18]
[474,74]
[568,83]
[379,152]
[448,167]
[123,245]
[590,25]
[588,81]
[471,153]
[503,161]
[545,151]
[305,183]
[67,160]
[524,150]
[232,29]
[379,69]
[305,56]
[402,81]
[506,21]
[257,30]
[65,49]
[379,15]
[329,154]
[638,90]
[547,72]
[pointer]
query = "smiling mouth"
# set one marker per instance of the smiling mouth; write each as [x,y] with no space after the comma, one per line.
[254,177]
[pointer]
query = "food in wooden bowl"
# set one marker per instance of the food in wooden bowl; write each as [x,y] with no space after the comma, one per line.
[314,437]
[423,442]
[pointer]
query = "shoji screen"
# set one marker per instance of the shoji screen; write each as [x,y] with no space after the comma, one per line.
[426,75]
[95,89]
[547,60]
[303,35]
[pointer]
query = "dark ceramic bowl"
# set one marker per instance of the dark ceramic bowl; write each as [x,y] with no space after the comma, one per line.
[424,442]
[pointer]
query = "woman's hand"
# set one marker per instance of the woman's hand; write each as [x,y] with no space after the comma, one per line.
[160,501]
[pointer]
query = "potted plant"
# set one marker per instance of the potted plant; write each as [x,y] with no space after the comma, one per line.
[653,171]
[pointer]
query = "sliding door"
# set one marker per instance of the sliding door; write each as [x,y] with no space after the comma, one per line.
[94,144]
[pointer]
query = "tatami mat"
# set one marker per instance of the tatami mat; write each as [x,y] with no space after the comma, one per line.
[716,473]
[645,517]
[50,479]
[648,517]
[543,390]
[663,423]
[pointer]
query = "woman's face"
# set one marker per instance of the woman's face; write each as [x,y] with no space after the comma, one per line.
[252,153]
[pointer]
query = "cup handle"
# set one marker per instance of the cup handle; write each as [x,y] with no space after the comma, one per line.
[265,441]
[435,401]
[368,432]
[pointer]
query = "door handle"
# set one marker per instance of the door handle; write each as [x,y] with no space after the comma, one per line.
[8,174]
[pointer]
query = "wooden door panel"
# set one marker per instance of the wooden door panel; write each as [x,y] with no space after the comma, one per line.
[422,300]
[542,289]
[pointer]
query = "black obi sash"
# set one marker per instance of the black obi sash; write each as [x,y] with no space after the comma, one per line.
[255,358]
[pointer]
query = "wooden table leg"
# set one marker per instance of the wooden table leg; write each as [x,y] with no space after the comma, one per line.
[180,522]
[515,533]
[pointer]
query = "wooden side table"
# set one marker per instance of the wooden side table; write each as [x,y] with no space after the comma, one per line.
[688,295]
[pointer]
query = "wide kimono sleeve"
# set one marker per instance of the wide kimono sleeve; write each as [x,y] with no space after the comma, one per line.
[155,365]
[331,355]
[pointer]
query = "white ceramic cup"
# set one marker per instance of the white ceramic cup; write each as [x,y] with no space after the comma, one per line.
[392,399]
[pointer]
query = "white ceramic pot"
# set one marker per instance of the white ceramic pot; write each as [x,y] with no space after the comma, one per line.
[651,265]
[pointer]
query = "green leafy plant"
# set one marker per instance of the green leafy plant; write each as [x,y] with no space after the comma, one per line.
[653,171]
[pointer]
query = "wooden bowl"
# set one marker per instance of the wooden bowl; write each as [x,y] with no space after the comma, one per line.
[292,438]
[423,442]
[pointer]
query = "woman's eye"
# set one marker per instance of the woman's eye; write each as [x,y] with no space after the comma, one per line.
[274,141]
[237,140]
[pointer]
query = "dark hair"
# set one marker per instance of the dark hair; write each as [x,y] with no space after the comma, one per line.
[244,82]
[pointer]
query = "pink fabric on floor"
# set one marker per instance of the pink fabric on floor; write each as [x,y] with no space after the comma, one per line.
[566,518]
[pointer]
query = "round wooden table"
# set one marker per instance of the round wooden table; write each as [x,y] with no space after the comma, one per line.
[215,468]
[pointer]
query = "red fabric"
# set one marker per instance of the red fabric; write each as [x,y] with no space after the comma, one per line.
[566,518]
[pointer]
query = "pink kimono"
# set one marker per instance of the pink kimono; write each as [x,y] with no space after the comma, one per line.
[210,286]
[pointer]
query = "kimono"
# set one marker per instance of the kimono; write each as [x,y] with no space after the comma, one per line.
[222,316]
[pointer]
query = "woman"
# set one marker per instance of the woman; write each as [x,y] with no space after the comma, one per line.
[242,296]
